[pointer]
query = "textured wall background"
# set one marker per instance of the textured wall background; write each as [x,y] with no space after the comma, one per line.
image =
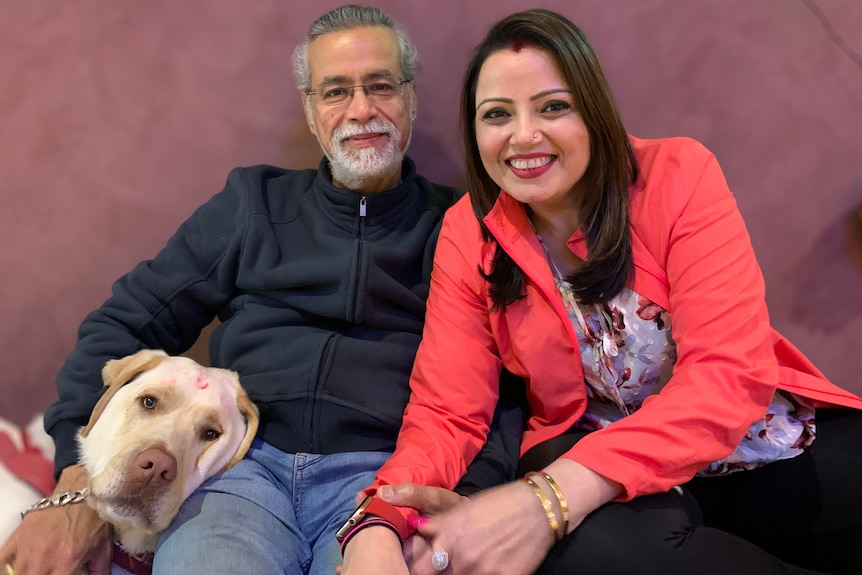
[118,119]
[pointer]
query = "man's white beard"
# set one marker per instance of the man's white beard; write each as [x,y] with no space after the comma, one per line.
[359,169]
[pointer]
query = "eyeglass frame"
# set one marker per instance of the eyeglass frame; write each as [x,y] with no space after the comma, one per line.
[351,89]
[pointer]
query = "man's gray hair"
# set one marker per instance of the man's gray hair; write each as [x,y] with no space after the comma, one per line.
[349,17]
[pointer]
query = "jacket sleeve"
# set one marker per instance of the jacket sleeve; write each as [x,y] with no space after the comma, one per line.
[456,375]
[726,372]
[163,303]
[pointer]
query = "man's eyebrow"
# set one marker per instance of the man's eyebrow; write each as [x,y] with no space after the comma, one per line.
[342,79]
[533,98]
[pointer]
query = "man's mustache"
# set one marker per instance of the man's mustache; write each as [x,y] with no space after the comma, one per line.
[376,127]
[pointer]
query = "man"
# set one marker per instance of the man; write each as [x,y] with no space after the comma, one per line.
[319,278]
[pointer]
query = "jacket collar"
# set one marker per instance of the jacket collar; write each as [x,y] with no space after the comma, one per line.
[508,223]
[389,202]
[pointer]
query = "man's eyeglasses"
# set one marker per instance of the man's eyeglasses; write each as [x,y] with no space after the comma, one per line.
[380,91]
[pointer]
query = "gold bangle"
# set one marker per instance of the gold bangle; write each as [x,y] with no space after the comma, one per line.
[547,506]
[561,499]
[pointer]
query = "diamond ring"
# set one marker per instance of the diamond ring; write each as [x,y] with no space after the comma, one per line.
[439,560]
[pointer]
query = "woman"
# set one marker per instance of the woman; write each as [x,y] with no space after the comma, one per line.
[615,275]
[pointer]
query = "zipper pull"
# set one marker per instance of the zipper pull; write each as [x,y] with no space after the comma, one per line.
[362,207]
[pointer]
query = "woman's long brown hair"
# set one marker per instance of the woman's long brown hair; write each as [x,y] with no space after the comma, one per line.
[612,168]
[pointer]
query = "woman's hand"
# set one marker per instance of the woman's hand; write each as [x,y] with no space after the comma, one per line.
[429,501]
[373,551]
[505,530]
[60,540]
[499,531]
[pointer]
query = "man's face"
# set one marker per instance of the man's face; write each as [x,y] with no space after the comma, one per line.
[364,136]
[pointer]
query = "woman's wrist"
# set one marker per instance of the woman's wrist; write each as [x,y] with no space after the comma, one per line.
[551,511]
[533,514]
[556,505]
[583,489]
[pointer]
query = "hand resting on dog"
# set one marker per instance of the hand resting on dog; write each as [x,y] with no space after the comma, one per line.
[163,427]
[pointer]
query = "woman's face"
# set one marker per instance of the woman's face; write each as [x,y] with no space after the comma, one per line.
[532,141]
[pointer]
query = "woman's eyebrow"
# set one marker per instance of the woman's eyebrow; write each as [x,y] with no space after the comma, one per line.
[533,98]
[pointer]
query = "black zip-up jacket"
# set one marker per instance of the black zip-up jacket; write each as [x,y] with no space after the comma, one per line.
[321,296]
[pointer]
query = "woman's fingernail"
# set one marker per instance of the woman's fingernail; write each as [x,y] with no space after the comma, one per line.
[385,492]
[417,522]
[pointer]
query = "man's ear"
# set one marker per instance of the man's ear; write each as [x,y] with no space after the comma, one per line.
[412,87]
[309,114]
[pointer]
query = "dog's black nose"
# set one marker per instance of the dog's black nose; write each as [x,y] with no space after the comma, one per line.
[154,468]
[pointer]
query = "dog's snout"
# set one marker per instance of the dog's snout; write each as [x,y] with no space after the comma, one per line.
[155,468]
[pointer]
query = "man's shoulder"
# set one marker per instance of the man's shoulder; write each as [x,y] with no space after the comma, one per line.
[450,193]
[439,196]
[268,188]
[256,174]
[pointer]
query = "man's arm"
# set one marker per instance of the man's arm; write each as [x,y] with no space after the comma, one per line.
[497,462]
[162,303]
[61,539]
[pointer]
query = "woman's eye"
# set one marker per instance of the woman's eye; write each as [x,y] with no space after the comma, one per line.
[556,106]
[148,402]
[494,114]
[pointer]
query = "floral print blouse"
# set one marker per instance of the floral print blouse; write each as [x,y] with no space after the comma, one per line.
[628,354]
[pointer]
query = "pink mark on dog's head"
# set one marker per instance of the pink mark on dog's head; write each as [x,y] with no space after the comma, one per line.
[202,382]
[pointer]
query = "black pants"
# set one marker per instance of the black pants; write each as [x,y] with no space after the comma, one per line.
[802,515]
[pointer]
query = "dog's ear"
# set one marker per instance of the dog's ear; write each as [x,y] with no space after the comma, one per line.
[252,419]
[119,372]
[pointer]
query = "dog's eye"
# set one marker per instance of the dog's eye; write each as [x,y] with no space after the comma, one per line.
[211,435]
[148,402]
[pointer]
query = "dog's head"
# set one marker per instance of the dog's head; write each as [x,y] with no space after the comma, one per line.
[163,427]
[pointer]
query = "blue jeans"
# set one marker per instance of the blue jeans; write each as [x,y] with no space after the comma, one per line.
[272,513]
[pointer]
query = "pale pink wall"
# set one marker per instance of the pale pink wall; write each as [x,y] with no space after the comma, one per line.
[117,119]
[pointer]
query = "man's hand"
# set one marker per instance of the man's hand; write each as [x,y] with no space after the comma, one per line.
[426,500]
[60,540]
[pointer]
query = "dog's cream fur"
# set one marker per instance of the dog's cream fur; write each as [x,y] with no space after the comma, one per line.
[158,410]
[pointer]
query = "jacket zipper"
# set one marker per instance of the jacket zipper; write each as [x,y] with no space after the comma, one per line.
[363,212]
[363,207]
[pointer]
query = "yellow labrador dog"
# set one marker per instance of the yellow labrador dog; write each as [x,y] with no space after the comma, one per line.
[163,427]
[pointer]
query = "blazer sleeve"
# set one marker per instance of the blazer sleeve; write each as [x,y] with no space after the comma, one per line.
[726,372]
[455,378]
